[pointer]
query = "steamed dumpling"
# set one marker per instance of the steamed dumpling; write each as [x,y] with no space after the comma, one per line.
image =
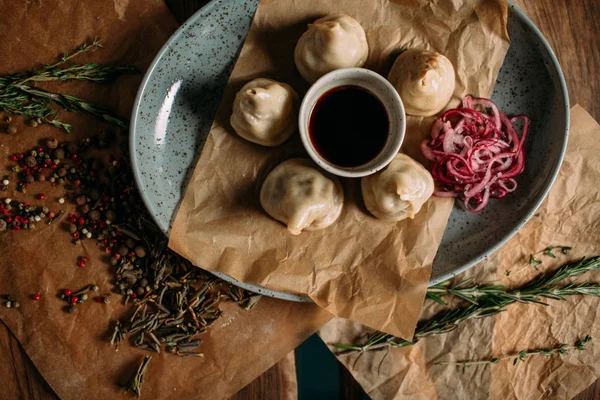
[265,112]
[302,197]
[331,42]
[424,80]
[399,190]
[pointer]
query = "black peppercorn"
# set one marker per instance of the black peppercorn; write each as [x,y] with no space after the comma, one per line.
[140,251]
[40,177]
[143,282]
[94,194]
[131,280]
[72,147]
[140,291]
[80,200]
[72,228]
[129,242]
[84,209]
[59,154]
[94,215]
[52,143]
[29,179]
[62,172]
[123,250]
[111,215]
[30,161]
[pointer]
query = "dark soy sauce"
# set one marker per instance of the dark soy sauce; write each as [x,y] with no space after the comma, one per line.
[348,126]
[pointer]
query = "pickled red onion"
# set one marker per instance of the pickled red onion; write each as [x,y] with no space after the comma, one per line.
[476,154]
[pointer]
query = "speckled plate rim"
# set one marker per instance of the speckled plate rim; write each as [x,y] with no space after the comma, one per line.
[137,173]
[565,95]
[299,298]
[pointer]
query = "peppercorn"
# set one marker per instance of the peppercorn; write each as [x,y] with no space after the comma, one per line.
[143,282]
[140,251]
[94,215]
[59,154]
[11,129]
[72,147]
[84,208]
[29,178]
[52,143]
[16,304]
[71,309]
[123,250]
[95,194]
[72,228]
[41,196]
[140,291]
[40,177]
[37,297]
[61,172]
[30,161]
[111,215]
[129,242]
[80,200]
[3,225]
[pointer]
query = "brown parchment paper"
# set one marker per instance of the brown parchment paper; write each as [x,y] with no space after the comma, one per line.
[72,351]
[370,271]
[569,216]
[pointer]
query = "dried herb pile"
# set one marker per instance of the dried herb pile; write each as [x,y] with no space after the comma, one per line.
[172,302]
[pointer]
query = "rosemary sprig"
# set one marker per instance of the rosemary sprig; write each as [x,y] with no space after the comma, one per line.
[562,349]
[461,290]
[136,382]
[18,97]
[491,300]
[72,103]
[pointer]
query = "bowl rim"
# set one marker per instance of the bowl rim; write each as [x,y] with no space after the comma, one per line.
[323,85]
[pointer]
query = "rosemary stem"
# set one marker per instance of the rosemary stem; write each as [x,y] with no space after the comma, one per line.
[489,300]
[522,355]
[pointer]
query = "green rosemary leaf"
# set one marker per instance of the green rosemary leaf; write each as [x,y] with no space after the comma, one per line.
[548,251]
[533,262]
[436,298]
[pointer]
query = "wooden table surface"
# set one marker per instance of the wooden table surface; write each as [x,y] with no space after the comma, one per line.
[573,32]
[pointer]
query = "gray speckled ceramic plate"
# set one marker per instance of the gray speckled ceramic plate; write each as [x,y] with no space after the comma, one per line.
[179,95]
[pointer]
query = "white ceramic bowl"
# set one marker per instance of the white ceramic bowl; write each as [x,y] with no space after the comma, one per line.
[380,88]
